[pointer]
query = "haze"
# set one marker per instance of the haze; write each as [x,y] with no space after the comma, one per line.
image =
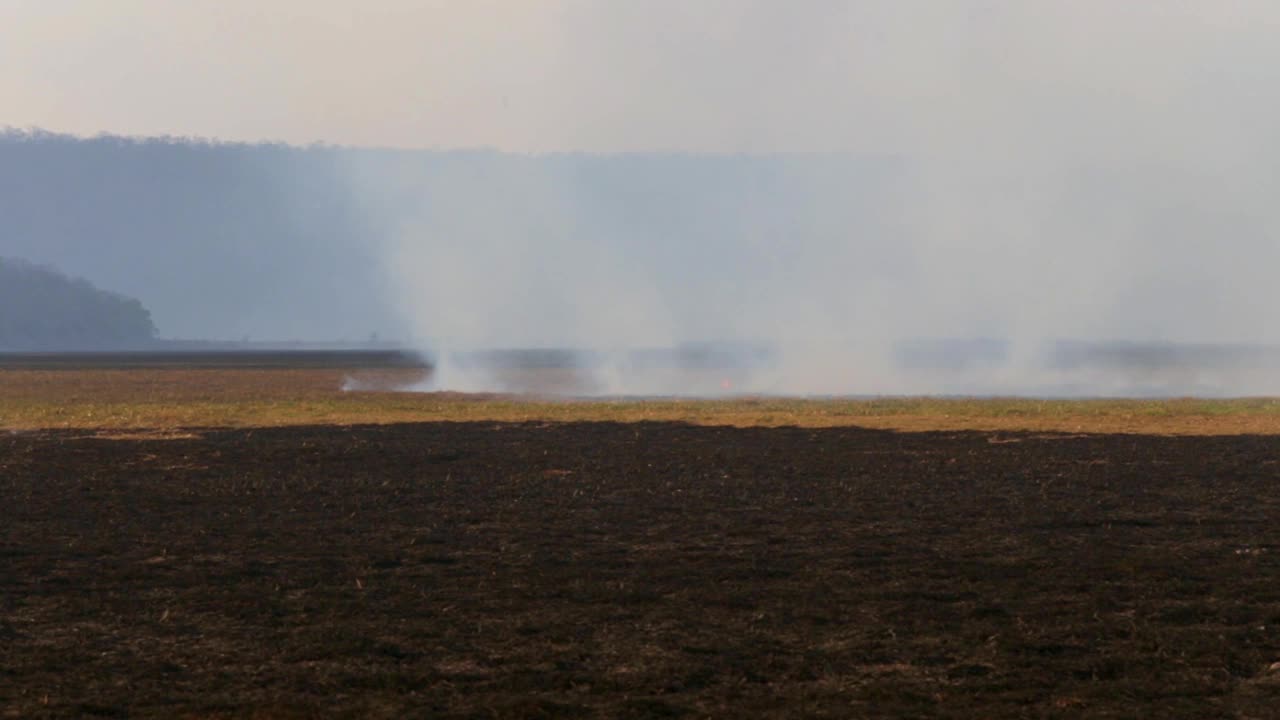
[1092,171]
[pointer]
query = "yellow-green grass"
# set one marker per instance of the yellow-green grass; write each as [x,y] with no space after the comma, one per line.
[170,399]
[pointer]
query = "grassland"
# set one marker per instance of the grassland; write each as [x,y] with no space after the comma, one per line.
[167,399]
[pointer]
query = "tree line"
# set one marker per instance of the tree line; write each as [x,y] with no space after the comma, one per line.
[43,309]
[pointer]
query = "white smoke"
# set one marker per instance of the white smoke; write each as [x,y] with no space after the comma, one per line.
[1088,170]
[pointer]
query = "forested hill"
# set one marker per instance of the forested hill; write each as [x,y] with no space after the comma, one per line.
[221,241]
[273,242]
[42,309]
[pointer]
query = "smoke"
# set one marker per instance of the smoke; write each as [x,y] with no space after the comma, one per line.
[862,198]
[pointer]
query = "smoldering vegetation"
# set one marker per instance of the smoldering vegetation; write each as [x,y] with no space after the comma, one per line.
[982,367]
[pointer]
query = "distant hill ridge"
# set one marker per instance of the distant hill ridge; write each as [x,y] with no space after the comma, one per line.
[43,309]
[229,241]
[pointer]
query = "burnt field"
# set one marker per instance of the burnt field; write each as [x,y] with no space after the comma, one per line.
[607,569]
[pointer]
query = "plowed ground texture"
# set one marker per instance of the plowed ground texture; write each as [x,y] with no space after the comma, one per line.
[602,570]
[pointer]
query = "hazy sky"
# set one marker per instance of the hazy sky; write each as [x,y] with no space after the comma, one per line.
[1090,169]
[534,75]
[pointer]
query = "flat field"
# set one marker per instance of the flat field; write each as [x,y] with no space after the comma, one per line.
[223,543]
[157,399]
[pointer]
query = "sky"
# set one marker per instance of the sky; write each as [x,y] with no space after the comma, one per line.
[625,75]
[1085,169]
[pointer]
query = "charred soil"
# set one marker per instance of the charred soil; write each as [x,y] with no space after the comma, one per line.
[637,570]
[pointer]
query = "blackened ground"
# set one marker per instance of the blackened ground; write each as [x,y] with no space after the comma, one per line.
[638,570]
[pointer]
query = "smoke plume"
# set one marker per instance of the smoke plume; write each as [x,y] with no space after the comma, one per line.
[863,197]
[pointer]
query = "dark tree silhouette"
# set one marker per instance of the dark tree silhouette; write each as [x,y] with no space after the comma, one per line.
[40,308]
